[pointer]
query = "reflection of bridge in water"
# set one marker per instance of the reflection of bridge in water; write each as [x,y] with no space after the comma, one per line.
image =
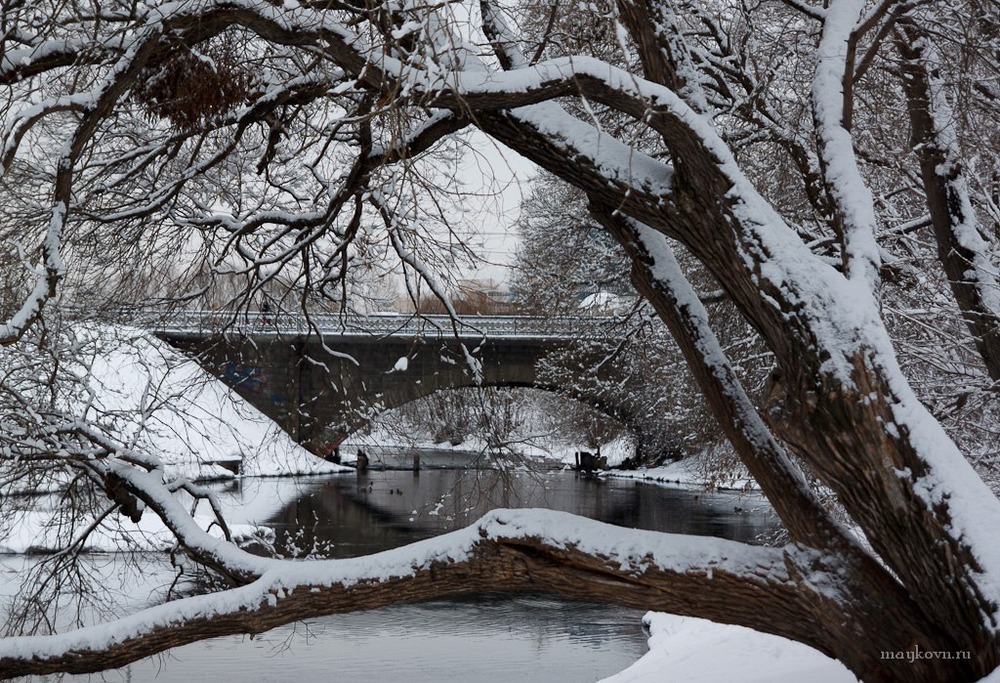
[324,376]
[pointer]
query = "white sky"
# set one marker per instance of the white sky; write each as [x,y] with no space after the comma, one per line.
[501,178]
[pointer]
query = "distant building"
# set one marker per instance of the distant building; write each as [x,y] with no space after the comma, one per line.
[471,297]
[486,297]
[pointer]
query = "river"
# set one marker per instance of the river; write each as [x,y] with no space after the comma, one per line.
[480,639]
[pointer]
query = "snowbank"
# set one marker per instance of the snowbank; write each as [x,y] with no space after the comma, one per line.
[160,403]
[700,651]
[697,472]
[163,403]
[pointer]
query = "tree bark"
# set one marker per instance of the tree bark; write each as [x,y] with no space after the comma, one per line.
[961,250]
[878,604]
[846,411]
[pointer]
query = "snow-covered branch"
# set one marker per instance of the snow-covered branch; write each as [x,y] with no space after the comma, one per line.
[963,251]
[832,98]
[729,130]
[506,550]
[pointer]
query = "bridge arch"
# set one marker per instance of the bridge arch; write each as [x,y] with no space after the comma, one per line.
[319,398]
[466,407]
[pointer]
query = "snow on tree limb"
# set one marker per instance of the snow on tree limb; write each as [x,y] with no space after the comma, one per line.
[392,80]
[832,96]
[656,269]
[961,247]
[99,102]
[506,550]
[501,36]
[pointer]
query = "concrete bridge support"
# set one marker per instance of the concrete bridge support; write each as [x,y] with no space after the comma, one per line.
[319,397]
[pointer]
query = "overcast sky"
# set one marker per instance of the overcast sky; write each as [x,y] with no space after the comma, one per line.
[503,176]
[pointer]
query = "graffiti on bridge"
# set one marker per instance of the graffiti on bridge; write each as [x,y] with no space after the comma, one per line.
[248,377]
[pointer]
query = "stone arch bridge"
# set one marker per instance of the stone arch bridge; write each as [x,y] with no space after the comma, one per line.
[324,377]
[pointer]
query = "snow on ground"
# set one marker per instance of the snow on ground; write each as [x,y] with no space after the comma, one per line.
[697,471]
[162,403]
[689,650]
[680,473]
[205,424]
[246,507]
[991,678]
[545,448]
[191,420]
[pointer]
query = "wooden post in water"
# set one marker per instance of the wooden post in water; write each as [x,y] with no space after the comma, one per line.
[416,464]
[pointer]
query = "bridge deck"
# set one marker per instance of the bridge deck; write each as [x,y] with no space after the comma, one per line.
[199,324]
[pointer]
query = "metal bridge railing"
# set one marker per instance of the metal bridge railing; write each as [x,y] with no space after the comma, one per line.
[374,325]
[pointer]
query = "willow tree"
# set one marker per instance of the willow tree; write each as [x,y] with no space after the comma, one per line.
[781,145]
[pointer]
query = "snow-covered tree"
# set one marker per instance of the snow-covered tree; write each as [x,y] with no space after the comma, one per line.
[563,255]
[305,137]
[567,264]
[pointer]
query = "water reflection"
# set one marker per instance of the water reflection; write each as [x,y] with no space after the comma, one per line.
[489,639]
[346,517]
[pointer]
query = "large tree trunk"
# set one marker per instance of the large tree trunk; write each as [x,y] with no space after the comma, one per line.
[845,410]
[878,605]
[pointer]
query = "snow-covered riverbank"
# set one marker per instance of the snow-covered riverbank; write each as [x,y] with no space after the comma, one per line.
[162,403]
[694,472]
[543,447]
[201,429]
[689,650]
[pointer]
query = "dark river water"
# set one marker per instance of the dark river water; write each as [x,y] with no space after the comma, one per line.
[477,639]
